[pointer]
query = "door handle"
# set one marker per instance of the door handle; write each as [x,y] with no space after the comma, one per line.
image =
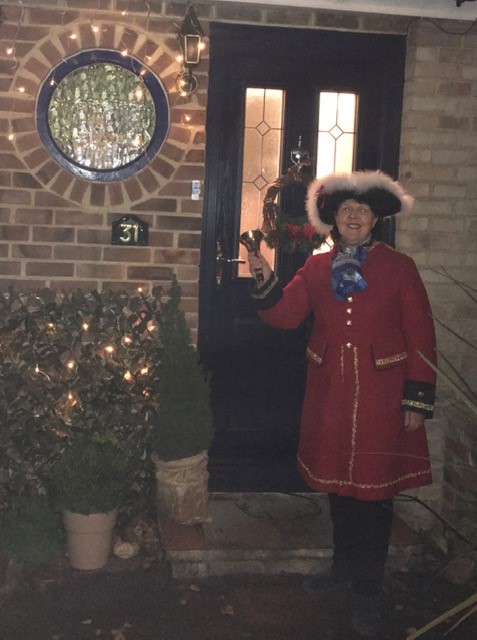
[237,260]
[220,260]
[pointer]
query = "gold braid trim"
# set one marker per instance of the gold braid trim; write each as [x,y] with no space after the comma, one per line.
[264,294]
[313,356]
[418,405]
[350,483]
[355,412]
[397,358]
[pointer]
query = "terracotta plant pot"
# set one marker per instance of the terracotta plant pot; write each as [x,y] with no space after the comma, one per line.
[89,538]
[183,488]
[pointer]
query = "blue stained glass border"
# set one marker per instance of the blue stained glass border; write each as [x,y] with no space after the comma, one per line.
[152,83]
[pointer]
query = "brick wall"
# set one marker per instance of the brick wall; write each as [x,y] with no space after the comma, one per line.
[439,165]
[55,229]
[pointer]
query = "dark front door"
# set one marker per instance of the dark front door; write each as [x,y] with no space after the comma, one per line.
[258,374]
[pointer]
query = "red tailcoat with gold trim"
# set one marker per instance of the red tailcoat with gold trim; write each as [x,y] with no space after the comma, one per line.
[361,352]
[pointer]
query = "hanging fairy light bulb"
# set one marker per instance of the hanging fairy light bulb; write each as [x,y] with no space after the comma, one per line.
[128,376]
[38,370]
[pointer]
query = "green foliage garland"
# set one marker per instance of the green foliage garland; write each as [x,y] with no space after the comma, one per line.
[75,363]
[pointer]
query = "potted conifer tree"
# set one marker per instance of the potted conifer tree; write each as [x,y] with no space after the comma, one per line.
[184,424]
[89,484]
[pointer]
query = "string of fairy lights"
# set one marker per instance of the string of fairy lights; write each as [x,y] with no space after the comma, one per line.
[184,90]
[71,398]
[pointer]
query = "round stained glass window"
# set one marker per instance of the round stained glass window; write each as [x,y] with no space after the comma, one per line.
[102,115]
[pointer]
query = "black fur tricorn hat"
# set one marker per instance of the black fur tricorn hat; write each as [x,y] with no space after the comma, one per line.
[385,196]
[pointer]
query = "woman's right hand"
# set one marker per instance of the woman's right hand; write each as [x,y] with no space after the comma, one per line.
[257,262]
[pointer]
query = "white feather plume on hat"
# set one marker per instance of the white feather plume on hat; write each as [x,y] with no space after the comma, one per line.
[385,196]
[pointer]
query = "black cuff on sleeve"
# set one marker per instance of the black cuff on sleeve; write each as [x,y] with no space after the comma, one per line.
[419,396]
[268,294]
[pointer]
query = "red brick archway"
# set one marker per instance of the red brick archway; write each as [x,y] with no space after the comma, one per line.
[159,53]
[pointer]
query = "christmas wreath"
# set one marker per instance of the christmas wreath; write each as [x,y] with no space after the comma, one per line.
[294,234]
[287,233]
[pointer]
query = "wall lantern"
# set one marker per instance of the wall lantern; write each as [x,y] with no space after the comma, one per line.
[191,44]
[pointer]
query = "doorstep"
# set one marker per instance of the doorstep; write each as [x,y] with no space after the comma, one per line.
[265,533]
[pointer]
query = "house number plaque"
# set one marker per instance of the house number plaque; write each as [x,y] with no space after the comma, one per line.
[130,231]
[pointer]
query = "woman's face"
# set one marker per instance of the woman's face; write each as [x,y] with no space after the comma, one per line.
[355,221]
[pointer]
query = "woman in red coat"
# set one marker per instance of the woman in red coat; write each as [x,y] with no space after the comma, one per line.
[362,437]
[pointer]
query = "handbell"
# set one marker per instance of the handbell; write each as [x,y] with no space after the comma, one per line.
[251,241]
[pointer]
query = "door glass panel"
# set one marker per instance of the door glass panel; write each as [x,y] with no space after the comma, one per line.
[336,132]
[336,138]
[264,114]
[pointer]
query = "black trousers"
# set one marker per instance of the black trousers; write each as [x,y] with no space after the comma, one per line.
[361,532]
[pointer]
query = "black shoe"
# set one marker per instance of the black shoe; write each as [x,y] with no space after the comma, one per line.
[326,581]
[367,614]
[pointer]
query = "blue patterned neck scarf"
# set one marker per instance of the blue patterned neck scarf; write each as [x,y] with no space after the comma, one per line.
[346,273]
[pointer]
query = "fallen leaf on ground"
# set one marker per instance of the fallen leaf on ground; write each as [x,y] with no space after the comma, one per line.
[227,610]
[89,621]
